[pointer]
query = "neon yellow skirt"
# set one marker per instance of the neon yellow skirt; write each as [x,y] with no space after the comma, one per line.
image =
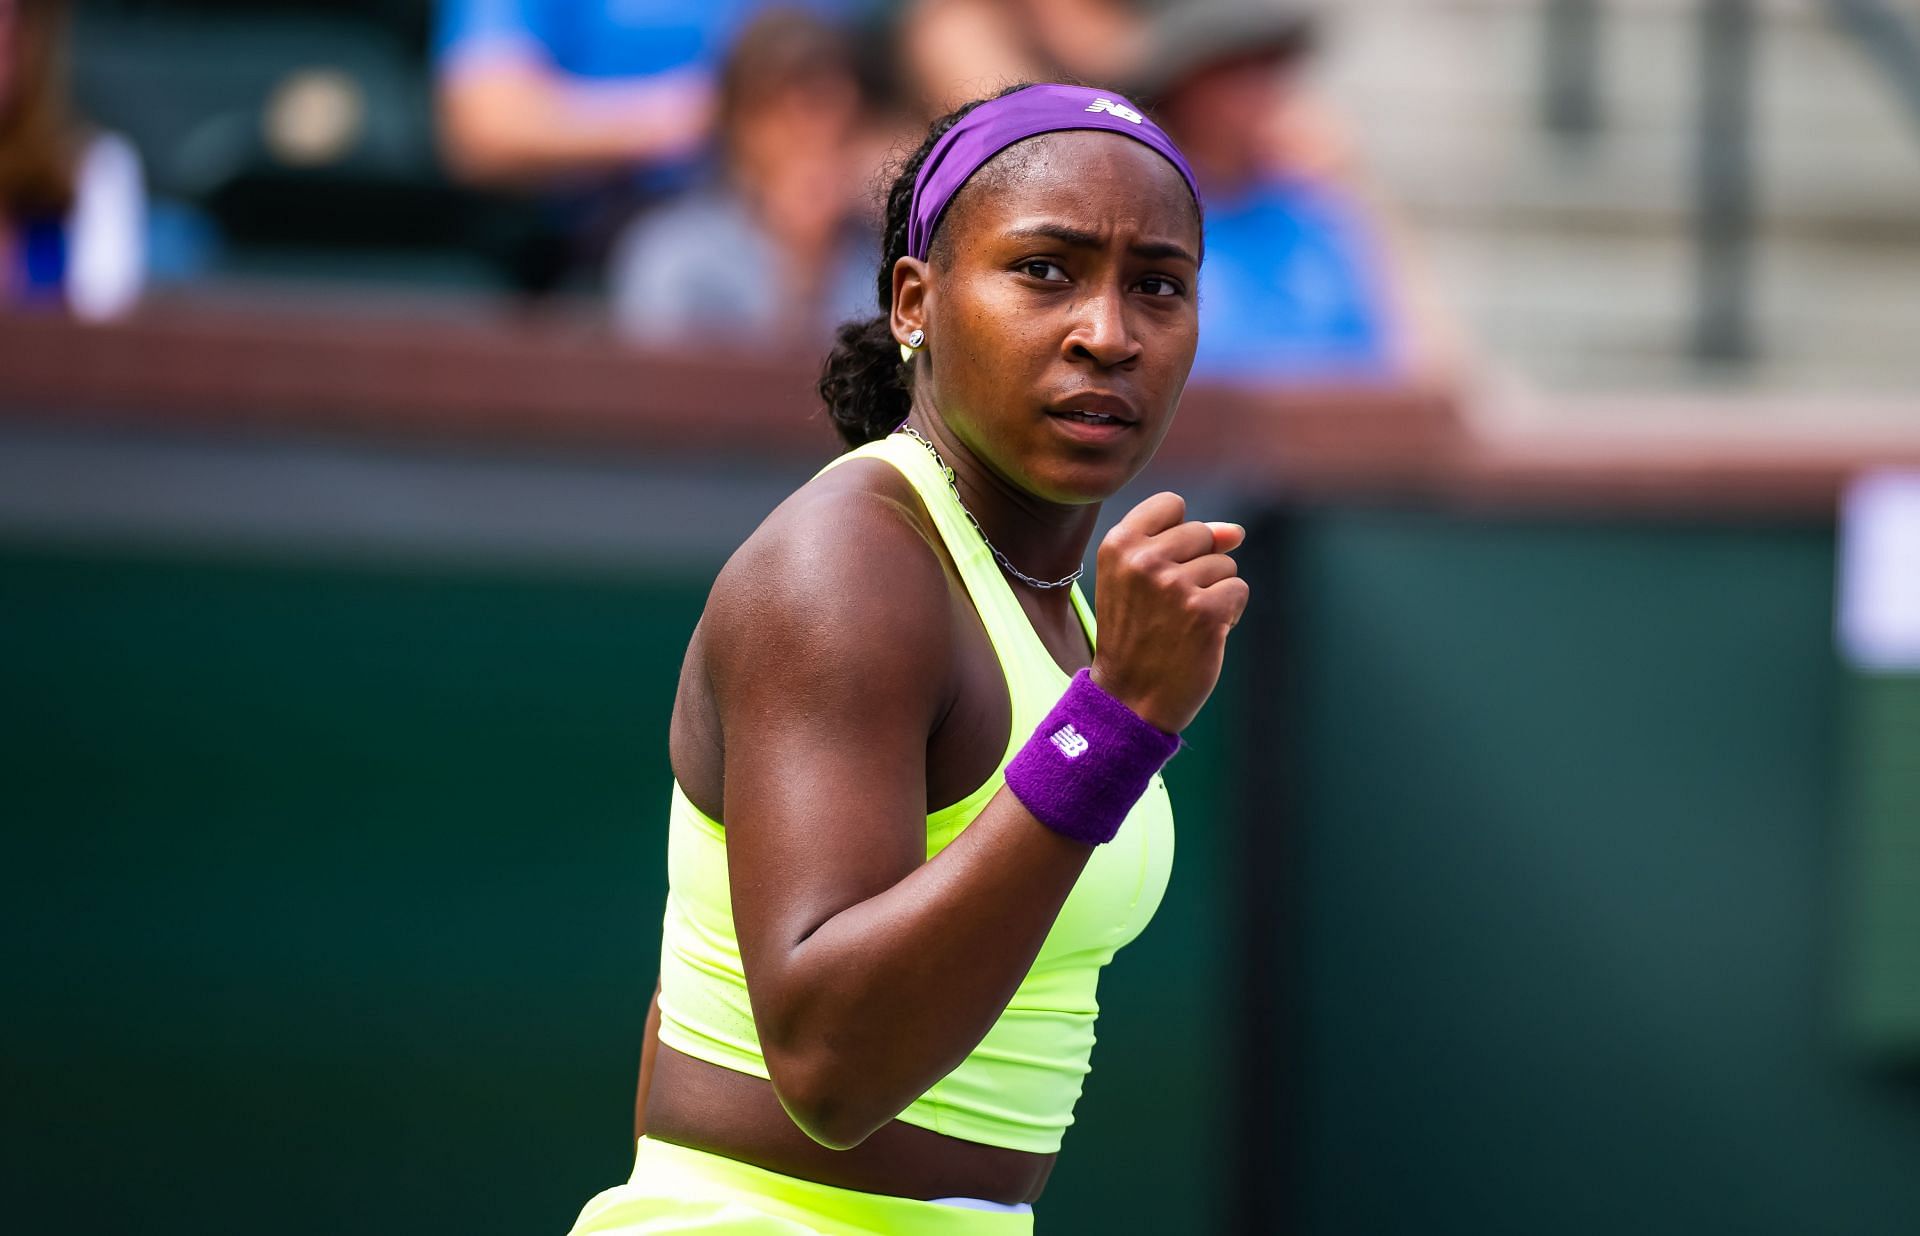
[674,1189]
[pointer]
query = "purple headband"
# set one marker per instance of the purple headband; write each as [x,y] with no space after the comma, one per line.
[997,124]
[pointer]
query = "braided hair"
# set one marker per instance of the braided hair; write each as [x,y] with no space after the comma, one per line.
[864,382]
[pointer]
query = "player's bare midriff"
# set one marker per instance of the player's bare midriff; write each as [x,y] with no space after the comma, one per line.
[693,1103]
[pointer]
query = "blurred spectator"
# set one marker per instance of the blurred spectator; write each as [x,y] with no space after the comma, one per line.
[597,106]
[533,91]
[955,50]
[72,204]
[1301,277]
[775,254]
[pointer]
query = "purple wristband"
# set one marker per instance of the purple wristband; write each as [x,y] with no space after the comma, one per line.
[1088,763]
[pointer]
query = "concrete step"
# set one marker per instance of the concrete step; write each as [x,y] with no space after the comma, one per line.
[1445,98]
[1619,312]
[1574,261]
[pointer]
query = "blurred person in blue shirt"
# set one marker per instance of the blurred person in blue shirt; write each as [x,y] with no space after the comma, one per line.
[592,108]
[557,91]
[1301,278]
[776,250]
[72,203]
[546,91]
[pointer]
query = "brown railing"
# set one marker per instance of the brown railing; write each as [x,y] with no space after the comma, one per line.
[555,384]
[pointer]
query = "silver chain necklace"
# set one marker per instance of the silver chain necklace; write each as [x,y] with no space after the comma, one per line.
[998,557]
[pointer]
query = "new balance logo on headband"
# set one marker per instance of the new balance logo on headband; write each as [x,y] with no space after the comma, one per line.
[1070,742]
[1119,109]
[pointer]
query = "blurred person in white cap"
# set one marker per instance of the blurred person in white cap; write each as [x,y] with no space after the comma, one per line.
[72,202]
[1305,277]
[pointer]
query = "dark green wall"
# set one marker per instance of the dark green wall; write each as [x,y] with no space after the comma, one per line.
[1880,863]
[334,900]
[335,889]
[1567,801]
[339,888]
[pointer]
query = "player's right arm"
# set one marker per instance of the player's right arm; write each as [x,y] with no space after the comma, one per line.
[872,971]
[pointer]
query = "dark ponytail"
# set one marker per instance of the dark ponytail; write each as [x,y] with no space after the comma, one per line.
[864,382]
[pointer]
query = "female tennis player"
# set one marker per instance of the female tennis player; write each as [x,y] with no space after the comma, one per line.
[917,804]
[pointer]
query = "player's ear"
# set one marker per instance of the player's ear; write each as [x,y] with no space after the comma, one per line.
[911,287]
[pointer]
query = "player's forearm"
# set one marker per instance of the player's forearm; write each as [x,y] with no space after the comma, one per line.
[882,1000]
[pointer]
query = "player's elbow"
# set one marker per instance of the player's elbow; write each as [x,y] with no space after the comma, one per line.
[826,1101]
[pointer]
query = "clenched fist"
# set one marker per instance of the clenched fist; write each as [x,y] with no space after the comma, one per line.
[1167,596]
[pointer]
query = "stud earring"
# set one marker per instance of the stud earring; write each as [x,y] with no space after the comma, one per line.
[915,338]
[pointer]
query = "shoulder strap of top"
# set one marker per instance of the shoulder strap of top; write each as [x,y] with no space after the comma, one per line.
[1021,653]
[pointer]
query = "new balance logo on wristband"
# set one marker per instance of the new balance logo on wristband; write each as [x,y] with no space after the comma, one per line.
[1069,741]
[1118,109]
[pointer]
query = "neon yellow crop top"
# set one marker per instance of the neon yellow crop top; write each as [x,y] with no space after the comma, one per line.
[1017,1088]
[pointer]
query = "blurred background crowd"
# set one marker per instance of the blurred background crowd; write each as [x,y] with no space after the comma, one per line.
[1591,195]
[700,171]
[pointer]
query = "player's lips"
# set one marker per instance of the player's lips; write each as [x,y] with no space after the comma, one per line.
[1095,409]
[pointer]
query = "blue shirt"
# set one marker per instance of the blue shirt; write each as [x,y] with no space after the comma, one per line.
[607,38]
[595,38]
[1291,288]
